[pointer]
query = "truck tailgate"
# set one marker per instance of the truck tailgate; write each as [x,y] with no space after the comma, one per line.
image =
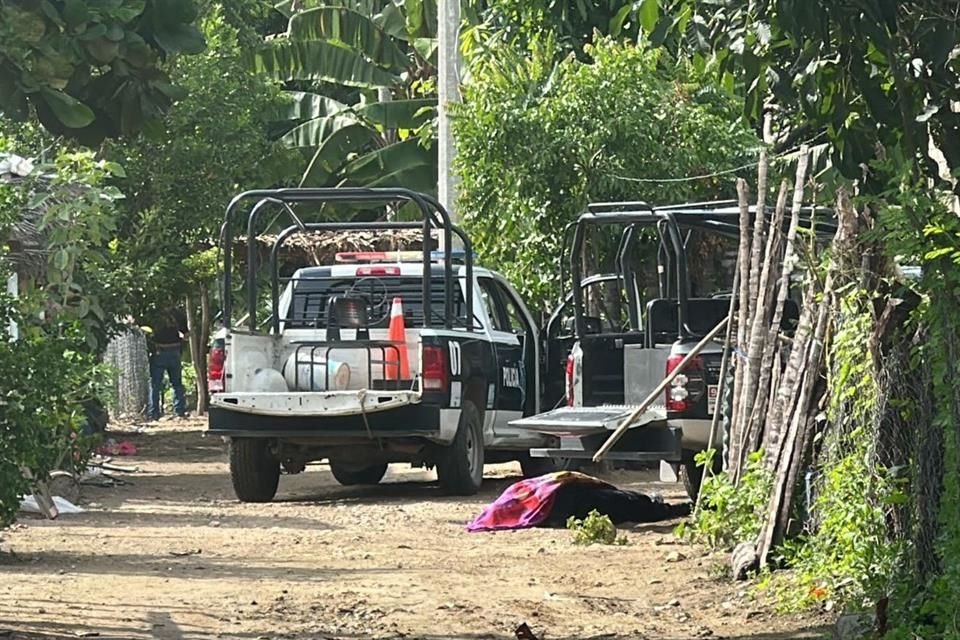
[320,403]
[579,421]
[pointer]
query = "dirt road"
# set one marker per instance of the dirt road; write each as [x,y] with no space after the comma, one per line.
[173,555]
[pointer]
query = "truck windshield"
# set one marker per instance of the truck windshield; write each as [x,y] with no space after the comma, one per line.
[304,302]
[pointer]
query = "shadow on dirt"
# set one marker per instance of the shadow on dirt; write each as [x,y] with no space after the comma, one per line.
[393,493]
[163,627]
[190,567]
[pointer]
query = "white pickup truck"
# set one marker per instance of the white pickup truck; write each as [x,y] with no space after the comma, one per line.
[321,381]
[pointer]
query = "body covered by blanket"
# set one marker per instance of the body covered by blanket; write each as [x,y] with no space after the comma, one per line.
[552,498]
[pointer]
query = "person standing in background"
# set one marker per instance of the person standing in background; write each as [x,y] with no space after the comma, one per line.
[165,338]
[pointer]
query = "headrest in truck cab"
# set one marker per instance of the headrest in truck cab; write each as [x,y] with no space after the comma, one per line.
[703,314]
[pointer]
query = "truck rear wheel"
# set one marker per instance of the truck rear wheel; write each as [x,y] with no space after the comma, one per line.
[460,465]
[691,475]
[349,475]
[254,470]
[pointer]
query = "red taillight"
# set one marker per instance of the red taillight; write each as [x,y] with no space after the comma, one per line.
[215,362]
[570,365]
[359,256]
[378,271]
[681,394]
[433,367]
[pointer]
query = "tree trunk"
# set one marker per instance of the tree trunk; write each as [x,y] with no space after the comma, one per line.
[759,227]
[200,365]
[197,352]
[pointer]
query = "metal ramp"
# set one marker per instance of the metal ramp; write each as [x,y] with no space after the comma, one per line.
[587,420]
[581,431]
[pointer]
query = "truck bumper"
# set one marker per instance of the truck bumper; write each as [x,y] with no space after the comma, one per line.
[256,419]
[696,433]
[320,403]
[650,443]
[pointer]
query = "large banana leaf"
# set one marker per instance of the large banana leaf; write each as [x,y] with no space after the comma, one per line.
[351,29]
[287,60]
[311,118]
[314,133]
[365,7]
[330,156]
[393,21]
[421,18]
[399,114]
[303,106]
[388,165]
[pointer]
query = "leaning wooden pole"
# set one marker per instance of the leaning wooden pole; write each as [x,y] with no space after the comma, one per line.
[743,315]
[789,258]
[756,378]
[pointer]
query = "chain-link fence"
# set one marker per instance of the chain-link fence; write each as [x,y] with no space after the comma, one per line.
[909,446]
[127,355]
[881,447]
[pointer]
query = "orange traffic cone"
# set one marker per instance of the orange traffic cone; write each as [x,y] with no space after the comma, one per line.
[398,336]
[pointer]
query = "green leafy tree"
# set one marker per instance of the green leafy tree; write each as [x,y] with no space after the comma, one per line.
[866,75]
[361,76]
[88,69]
[68,306]
[541,136]
[212,145]
[574,23]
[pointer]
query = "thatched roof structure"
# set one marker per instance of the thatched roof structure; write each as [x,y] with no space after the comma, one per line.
[303,250]
[26,239]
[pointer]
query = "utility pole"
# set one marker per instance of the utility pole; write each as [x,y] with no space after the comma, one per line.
[448,85]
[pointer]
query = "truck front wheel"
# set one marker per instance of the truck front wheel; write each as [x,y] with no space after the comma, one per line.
[254,470]
[460,465]
[348,475]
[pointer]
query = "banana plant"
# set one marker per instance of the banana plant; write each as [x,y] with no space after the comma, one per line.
[360,75]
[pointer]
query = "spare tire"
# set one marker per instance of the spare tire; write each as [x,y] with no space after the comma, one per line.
[349,475]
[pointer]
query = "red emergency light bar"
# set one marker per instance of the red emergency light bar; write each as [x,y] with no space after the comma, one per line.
[355,257]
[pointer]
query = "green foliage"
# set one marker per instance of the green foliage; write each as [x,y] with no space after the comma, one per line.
[933,610]
[90,70]
[848,558]
[46,379]
[594,529]
[64,315]
[212,144]
[575,23]
[729,513]
[82,280]
[363,100]
[867,74]
[540,136]
[929,610]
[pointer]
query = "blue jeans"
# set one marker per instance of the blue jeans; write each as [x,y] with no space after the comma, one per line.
[167,361]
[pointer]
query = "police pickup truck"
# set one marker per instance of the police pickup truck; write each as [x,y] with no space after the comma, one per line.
[329,378]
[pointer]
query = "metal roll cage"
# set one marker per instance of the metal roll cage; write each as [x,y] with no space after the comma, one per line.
[722,216]
[435,216]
